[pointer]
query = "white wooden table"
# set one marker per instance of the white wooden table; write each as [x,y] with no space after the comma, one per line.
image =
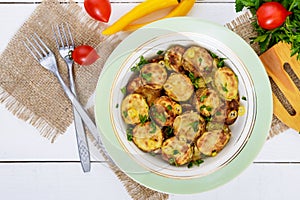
[31,168]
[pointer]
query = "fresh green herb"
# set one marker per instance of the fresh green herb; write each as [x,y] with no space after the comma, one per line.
[159,52]
[202,98]
[139,65]
[202,107]
[169,107]
[195,80]
[161,117]
[200,60]
[129,133]
[168,131]
[196,162]
[172,161]
[213,55]
[117,105]
[224,87]
[208,108]
[152,153]
[244,98]
[146,76]
[208,119]
[143,119]
[123,90]
[221,62]
[218,113]
[125,114]
[195,125]
[153,127]
[289,32]
[175,151]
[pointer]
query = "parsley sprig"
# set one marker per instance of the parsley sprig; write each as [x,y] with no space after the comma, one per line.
[289,32]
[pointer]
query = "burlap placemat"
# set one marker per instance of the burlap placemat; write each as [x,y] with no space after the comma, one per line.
[34,94]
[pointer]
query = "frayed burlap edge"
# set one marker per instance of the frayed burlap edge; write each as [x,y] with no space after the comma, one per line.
[21,112]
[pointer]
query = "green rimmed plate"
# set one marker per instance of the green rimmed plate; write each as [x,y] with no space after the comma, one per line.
[249,132]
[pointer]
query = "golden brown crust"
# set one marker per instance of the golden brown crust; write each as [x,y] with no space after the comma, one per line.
[198,61]
[212,142]
[173,58]
[133,107]
[176,152]
[148,137]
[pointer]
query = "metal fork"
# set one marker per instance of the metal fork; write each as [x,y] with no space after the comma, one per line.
[65,45]
[46,58]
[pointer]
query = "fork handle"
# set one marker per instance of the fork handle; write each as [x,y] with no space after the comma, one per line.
[81,111]
[83,150]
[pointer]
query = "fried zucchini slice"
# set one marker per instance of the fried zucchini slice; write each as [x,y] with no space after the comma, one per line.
[212,142]
[179,87]
[172,107]
[160,116]
[149,94]
[227,113]
[134,85]
[173,58]
[147,137]
[207,102]
[189,126]
[198,61]
[154,75]
[133,107]
[176,152]
[196,153]
[226,83]
[164,110]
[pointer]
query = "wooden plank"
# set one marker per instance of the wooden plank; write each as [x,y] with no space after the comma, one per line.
[66,181]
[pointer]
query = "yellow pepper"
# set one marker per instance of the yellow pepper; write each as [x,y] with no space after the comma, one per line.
[182,9]
[137,12]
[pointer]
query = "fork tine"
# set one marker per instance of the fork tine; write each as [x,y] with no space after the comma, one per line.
[60,36]
[29,49]
[43,48]
[70,35]
[64,34]
[55,36]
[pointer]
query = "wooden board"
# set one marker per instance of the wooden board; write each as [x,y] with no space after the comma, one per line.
[284,73]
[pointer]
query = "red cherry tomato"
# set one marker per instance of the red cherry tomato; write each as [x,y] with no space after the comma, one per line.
[98,9]
[85,55]
[271,15]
